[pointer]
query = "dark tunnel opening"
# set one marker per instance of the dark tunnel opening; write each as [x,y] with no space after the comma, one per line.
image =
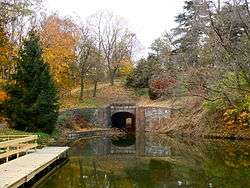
[124,120]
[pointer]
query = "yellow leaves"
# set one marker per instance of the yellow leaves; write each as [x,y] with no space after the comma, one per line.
[58,40]
[233,118]
[229,112]
[126,68]
[243,114]
[7,51]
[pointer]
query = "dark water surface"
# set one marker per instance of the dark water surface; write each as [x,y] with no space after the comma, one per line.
[154,161]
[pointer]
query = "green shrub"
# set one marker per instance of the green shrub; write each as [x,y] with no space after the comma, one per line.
[213,106]
[231,91]
[142,92]
[43,138]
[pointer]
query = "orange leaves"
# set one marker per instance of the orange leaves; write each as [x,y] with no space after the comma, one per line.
[7,58]
[3,96]
[161,84]
[6,49]
[58,38]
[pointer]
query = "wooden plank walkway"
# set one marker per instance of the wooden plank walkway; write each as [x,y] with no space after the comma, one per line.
[15,144]
[21,170]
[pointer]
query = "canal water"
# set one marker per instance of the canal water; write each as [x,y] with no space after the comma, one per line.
[154,161]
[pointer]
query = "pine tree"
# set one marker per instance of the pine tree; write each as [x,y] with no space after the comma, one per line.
[33,101]
[189,32]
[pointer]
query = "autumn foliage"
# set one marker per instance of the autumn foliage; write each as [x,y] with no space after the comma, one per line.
[126,68]
[7,56]
[3,96]
[236,119]
[162,85]
[58,38]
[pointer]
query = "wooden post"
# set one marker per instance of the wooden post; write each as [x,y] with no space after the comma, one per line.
[7,150]
[36,142]
[17,155]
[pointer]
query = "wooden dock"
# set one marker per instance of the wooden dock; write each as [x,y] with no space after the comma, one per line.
[16,144]
[21,170]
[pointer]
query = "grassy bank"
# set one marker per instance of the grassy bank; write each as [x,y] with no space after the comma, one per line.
[107,94]
[192,119]
[43,138]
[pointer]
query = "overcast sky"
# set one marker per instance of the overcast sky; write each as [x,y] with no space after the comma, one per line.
[147,18]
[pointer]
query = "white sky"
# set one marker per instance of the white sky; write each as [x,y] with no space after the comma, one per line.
[147,18]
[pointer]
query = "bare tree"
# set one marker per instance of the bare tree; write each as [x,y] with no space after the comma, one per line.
[85,49]
[115,42]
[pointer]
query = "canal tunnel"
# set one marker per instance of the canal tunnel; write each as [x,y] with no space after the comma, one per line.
[123,120]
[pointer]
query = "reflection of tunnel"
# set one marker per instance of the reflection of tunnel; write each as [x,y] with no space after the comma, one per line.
[124,120]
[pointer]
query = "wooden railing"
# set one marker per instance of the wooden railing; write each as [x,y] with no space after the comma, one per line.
[16,144]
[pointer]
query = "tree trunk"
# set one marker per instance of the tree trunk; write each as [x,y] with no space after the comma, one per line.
[219,5]
[112,82]
[95,88]
[112,77]
[82,87]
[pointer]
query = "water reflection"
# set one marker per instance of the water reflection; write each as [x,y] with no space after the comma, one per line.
[124,141]
[148,161]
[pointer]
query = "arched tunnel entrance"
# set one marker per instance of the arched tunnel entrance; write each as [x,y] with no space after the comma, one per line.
[124,120]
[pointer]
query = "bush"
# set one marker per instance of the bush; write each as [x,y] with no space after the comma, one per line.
[43,138]
[143,72]
[142,91]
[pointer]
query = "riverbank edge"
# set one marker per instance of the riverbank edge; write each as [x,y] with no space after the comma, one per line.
[222,136]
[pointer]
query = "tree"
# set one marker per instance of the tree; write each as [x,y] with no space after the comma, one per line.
[162,48]
[7,57]
[209,56]
[15,19]
[87,56]
[18,16]
[143,72]
[189,33]
[126,68]
[33,103]
[59,40]
[115,42]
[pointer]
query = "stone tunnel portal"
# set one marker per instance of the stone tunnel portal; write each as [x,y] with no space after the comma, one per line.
[124,120]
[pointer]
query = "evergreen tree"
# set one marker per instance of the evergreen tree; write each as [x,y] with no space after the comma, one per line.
[143,72]
[33,101]
[189,33]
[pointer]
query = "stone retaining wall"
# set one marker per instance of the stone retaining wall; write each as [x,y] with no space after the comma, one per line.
[153,115]
[95,116]
[146,117]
